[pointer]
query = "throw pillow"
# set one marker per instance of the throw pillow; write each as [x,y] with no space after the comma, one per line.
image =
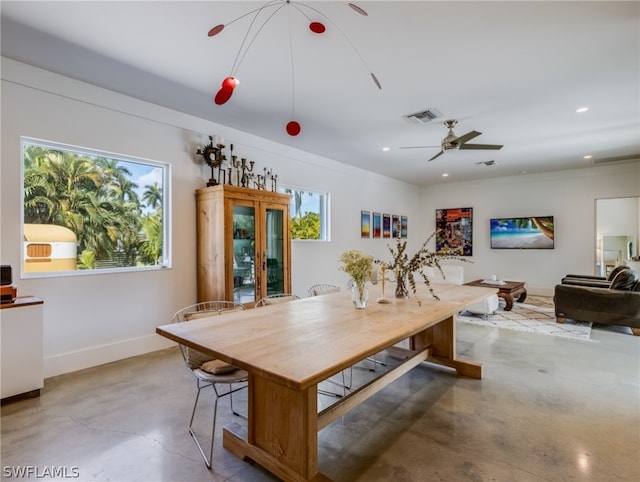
[217,367]
[624,280]
[615,271]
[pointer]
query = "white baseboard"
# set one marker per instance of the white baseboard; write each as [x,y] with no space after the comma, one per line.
[101,354]
[538,291]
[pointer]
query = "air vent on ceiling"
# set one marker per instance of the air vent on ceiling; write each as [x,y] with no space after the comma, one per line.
[486,163]
[424,116]
[609,160]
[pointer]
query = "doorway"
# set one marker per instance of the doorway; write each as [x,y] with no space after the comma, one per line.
[617,233]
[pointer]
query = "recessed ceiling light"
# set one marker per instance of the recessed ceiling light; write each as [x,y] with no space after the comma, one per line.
[580,110]
[386,149]
[445,175]
[588,156]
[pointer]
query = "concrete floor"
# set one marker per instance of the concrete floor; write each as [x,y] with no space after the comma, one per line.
[547,409]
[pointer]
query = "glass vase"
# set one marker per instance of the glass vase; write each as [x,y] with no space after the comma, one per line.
[359,295]
[402,287]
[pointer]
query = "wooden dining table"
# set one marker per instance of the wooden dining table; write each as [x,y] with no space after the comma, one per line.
[289,348]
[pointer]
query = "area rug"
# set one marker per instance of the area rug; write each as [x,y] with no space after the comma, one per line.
[537,315]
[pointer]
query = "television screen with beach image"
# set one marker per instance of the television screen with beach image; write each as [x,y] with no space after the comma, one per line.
[522,233]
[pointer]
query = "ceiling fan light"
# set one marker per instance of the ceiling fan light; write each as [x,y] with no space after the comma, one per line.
[293,128]
[216,30]
[317,27]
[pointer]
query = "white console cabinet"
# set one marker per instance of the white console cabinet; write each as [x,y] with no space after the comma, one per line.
[21,354]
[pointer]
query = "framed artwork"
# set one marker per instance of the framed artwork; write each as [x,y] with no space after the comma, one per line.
[454,231]
[365,224]
[386,225]
[404,226]
[377,225]
[395,226]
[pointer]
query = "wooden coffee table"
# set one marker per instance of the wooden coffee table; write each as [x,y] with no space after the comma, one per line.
[507,291]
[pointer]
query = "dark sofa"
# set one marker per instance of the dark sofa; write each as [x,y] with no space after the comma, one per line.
[617,304]
[590,280]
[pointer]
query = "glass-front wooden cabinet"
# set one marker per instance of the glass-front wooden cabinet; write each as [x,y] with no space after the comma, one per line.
[243,244]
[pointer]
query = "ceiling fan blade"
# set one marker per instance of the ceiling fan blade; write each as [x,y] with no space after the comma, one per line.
[438,154]
[480,146]
[419,147]
[467,137]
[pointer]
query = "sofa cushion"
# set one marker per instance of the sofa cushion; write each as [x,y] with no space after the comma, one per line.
[596,283]
[625,280]
[217,367]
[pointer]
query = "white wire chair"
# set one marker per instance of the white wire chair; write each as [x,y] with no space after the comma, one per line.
[322,289]
[225,374]
[372,358]
[277,298]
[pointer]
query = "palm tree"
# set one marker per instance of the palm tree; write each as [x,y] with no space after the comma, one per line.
[545,225]
[56,185]
[116,181]
[152,196]
[39,198]
[151,246]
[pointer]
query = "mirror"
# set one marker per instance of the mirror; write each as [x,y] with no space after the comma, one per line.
[617,233]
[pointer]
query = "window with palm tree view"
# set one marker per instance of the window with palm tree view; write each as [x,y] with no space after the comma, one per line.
[91,210]
[309,213]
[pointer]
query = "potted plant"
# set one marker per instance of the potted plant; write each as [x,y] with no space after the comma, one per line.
[358,265]
[405,267]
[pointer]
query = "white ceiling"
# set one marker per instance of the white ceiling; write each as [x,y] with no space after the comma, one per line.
[515,71]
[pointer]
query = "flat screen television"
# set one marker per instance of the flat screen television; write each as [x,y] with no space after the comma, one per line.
[522,233]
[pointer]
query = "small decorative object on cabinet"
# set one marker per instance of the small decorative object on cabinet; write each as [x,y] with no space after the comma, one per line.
[243,244]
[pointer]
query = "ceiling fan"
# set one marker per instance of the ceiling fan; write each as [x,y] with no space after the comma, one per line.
[454,142]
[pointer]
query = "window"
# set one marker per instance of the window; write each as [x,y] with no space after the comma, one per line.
[86,210]
[309,213]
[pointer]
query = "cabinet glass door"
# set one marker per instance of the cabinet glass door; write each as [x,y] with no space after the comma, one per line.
[274,250]
[244,249]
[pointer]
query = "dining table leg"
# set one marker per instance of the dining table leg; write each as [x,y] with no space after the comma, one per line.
[282,430]
[441,337]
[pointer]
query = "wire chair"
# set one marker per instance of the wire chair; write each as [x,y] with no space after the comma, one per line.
[372,359]
[323,289]
[195,361]
[277,298]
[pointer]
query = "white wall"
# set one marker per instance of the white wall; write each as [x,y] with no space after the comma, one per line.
[618,216]
[93,319]
[569,196]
